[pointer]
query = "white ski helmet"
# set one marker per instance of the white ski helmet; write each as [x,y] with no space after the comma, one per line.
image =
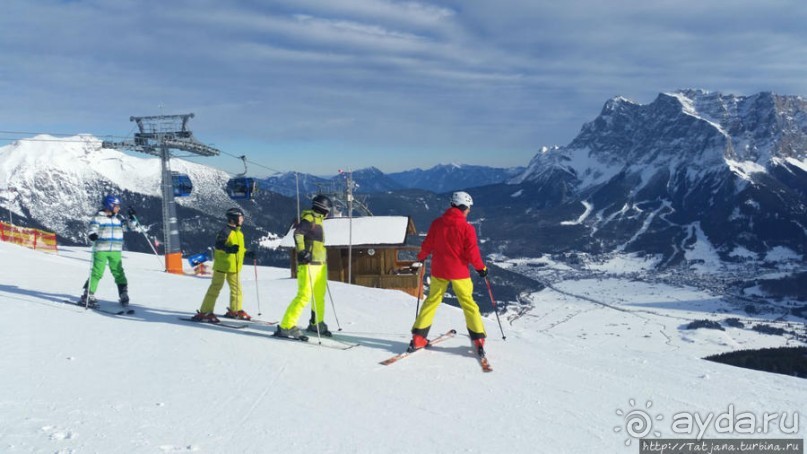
[461,198]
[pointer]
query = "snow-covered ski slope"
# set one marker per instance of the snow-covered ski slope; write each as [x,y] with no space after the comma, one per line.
[75,381]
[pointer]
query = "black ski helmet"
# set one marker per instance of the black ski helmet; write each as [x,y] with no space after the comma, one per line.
[321,204]
[233,214]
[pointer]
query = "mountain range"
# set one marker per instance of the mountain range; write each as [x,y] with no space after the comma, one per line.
[440,178]
[60,182]
[692,167]
[699,180]
[694,180]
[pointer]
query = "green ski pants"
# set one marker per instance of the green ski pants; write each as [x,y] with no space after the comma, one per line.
[99,261]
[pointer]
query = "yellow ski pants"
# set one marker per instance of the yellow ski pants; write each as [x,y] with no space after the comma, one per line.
[310,278]
[236,297]
[464,289]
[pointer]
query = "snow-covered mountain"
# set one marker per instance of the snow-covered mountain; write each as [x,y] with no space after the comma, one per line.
[368,180]
[60,183]
[371,179]
[692,169]
[438,179]
[695,178]
[452,177]
[288,183]
[578,360]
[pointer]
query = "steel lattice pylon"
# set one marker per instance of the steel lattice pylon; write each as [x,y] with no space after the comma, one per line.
[157,136]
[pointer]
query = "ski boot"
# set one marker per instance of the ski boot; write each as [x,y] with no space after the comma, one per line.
[417,343]
[83,300]
[323,329]
[205,317]
[291,333]
[123,294]
[238,315]
[479,344]
[88,300]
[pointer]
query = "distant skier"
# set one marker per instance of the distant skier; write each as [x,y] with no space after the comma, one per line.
[452,243]
[312,271]
[106,233]
[228,259]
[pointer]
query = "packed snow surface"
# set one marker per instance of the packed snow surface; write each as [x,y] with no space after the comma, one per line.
[571,368]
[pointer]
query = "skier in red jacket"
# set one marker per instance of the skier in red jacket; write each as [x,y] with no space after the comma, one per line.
[452,243]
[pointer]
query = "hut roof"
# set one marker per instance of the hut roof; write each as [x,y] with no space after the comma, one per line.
[367,231]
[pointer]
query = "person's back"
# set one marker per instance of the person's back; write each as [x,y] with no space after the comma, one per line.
[452,246]
[451,242]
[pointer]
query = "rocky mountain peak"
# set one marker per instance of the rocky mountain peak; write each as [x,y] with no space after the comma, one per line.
[691,166]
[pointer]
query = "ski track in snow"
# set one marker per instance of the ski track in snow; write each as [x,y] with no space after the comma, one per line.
[666,324]
[662,328]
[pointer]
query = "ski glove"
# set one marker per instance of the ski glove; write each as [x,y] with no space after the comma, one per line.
[132,215]
[304,257]
[232,249]
[249,255]
[416,265]
[483,272]
[92,236]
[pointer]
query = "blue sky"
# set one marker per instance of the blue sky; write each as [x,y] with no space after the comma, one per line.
[321,85]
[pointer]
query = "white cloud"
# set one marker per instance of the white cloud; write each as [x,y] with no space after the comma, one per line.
[462,77]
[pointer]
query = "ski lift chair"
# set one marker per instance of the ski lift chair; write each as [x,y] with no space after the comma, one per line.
[242,187]
[182,184]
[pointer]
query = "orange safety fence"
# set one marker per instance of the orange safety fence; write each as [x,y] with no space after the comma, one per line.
[27,237]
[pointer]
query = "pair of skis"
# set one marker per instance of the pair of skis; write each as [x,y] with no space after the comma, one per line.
[124,310]
[236,324]
[483,360]
[328,342]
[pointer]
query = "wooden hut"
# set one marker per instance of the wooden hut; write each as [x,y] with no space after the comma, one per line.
[380,253]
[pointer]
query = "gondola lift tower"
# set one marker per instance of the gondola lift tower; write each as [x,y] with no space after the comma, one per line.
[157,136]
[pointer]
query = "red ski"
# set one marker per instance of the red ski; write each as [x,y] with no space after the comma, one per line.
[445,336]
[483,361]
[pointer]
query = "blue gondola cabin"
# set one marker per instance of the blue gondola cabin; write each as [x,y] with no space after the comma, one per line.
[182,184]
[242,188]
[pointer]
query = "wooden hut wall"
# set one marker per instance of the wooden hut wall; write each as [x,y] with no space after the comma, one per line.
[368,270]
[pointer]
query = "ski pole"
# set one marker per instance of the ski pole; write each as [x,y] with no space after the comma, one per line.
[131,213]
[328,288]
[313,302]
[89,279]
[257,292]
[420,289]
[493,301]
